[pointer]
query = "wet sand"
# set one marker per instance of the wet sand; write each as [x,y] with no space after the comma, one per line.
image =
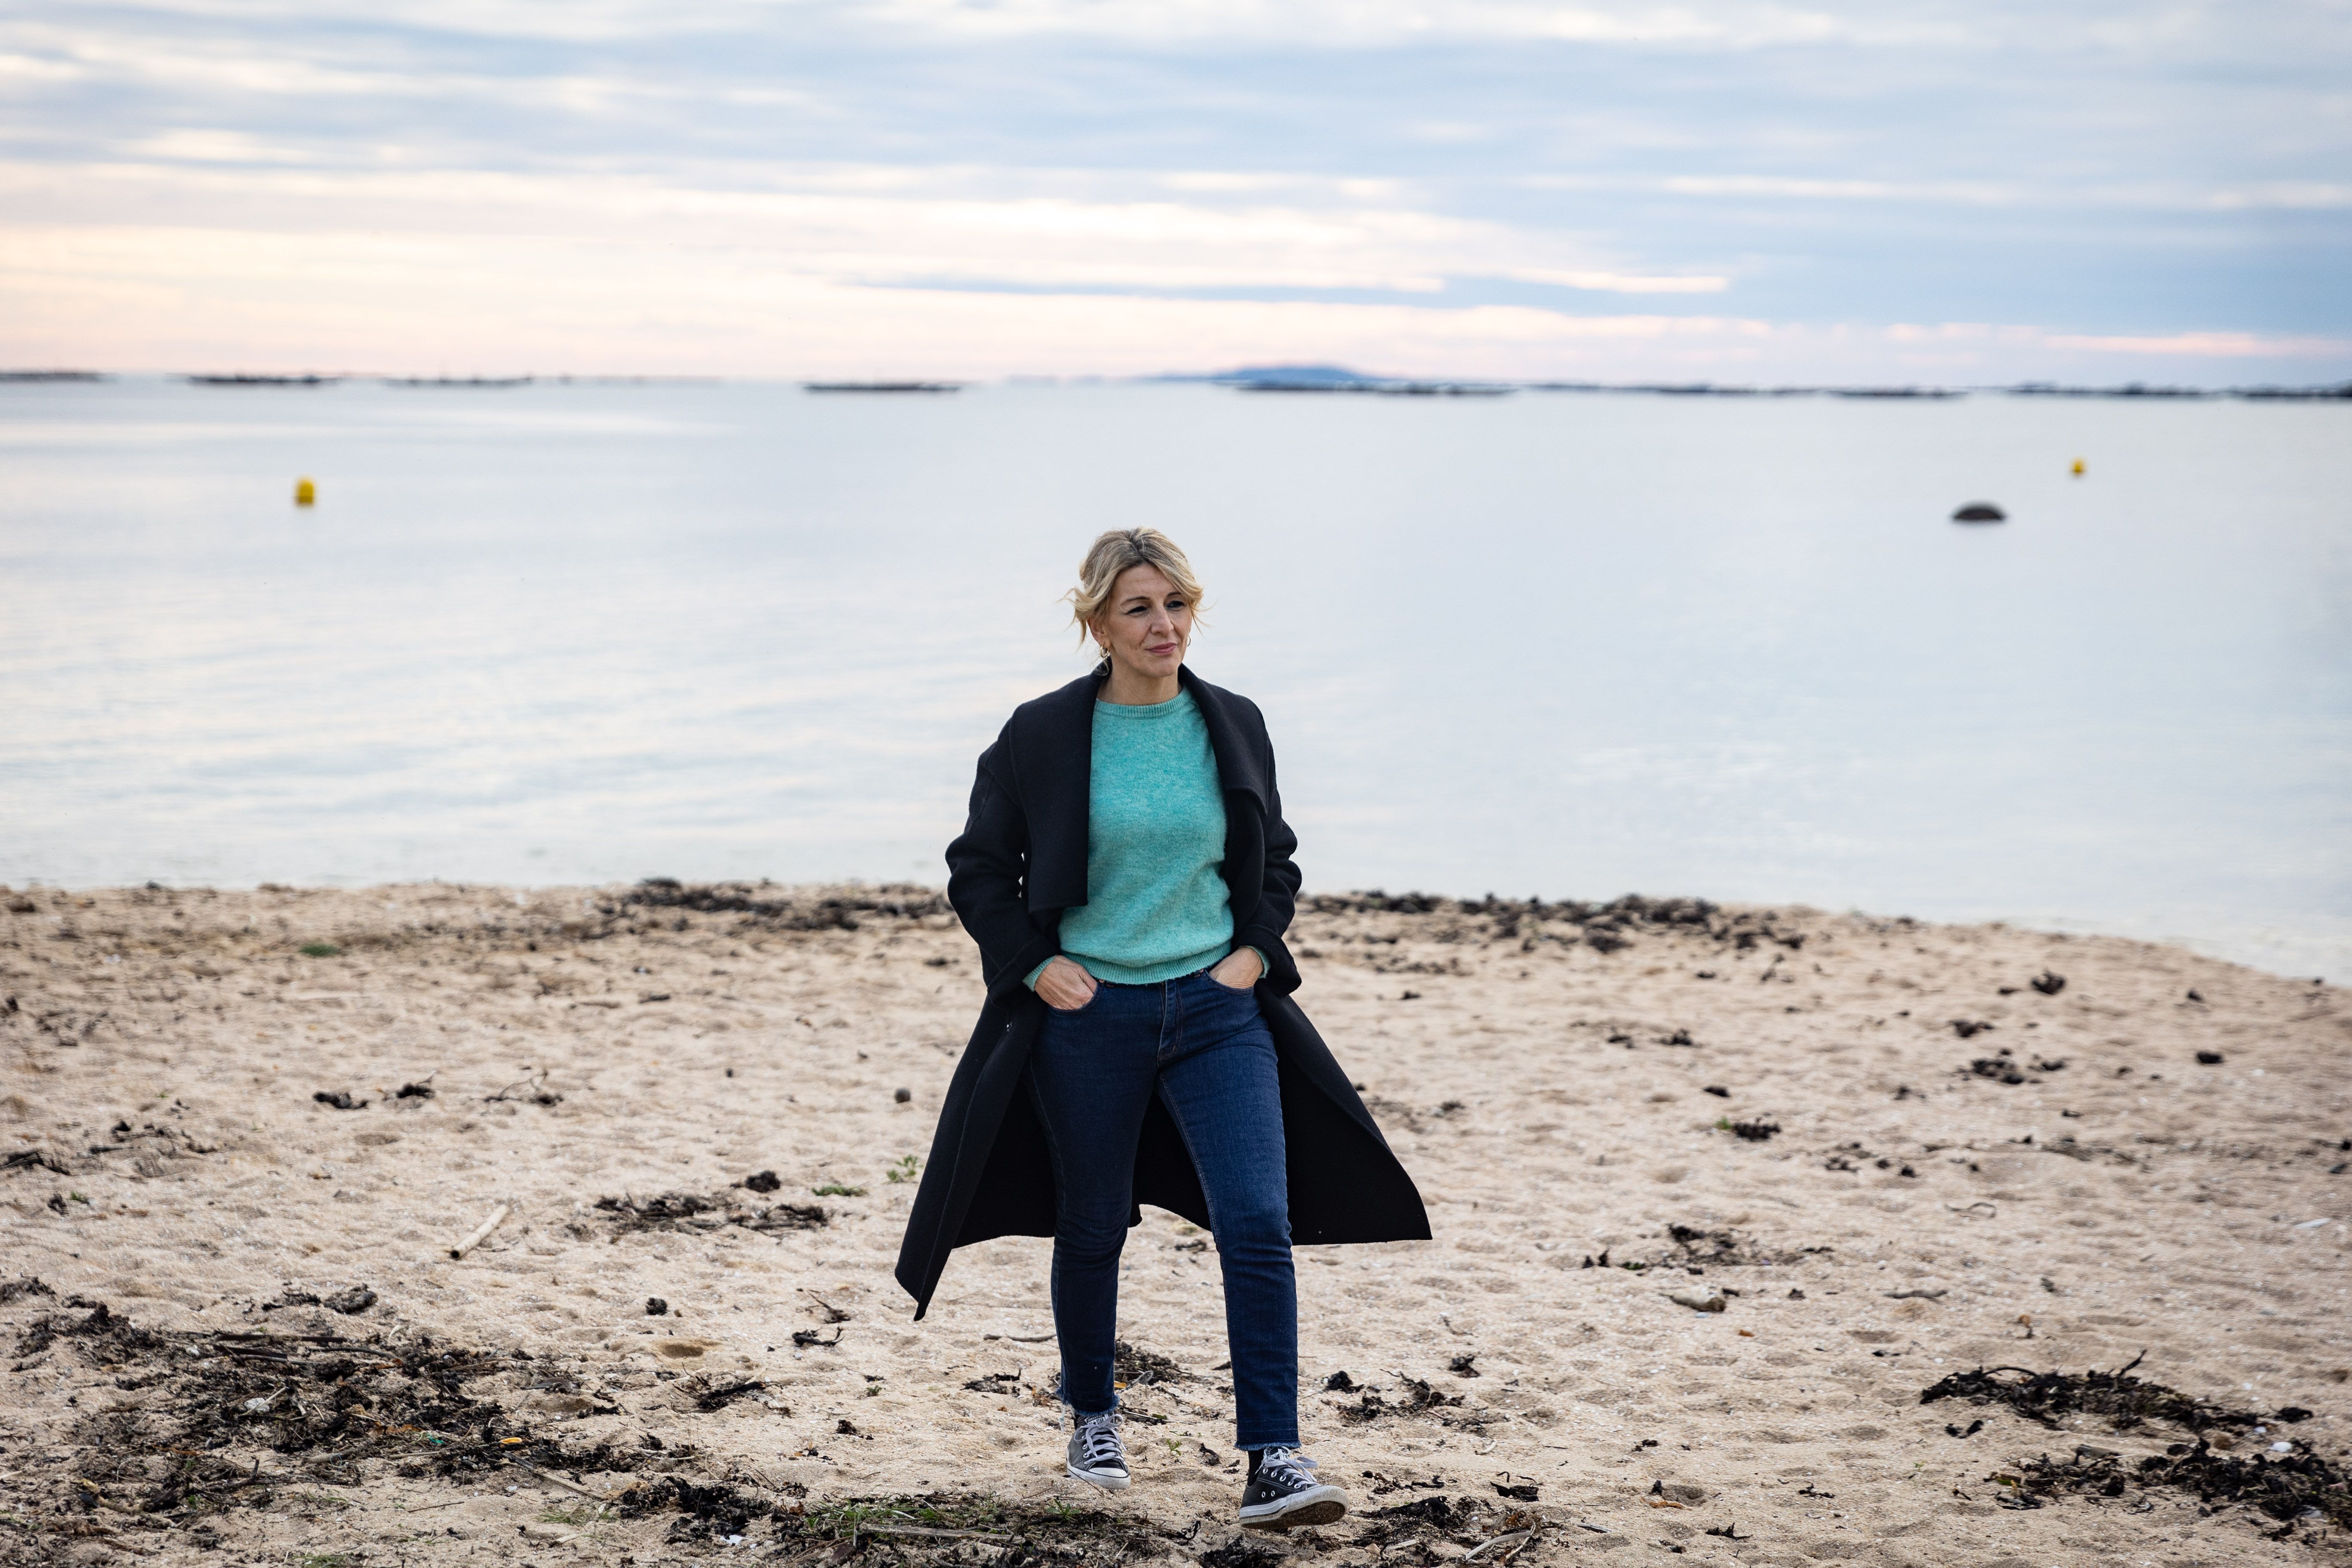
[1545,1073]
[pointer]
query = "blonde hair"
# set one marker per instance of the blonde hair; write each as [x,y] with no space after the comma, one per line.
[1112,553]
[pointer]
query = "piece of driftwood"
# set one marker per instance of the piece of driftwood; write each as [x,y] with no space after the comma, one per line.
[926,1530]
[481,1231]
[560,1481]
[1513,1539]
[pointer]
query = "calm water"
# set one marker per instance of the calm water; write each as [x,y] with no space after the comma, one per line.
[1551,644]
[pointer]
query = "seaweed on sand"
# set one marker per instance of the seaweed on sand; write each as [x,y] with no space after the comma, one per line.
[1419,1397]
[2126,1401]
[213,1402]
[2289,1482]
[779,907]
[1135,1366]
[714,1211]
[2295,1487]
[939,1527]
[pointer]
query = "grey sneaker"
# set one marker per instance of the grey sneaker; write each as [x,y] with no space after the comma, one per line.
[1283,1494]
[1097,1455]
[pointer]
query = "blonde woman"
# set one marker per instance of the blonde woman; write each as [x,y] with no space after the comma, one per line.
[1128,875]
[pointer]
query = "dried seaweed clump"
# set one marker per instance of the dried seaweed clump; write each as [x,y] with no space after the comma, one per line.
[2289,1482]
[1419,1397]
[942,1528]
[213,1402]
[1606,927]
[707,1212]
[1721,1249]
[2297,1486]
[783,909]
[2125,1400]
[1135,1366]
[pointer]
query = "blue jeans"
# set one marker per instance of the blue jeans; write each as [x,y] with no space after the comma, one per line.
[1204,1050]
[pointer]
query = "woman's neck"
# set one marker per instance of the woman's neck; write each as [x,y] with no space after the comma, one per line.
[1127,690]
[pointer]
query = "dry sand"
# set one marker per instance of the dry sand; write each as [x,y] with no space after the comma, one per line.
[168,1159]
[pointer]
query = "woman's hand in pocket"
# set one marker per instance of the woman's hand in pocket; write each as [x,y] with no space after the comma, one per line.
[1239,970]
[1066,985]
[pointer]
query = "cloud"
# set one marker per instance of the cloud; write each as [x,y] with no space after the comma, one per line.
[2209,345]
[1620,283]
[1797,178]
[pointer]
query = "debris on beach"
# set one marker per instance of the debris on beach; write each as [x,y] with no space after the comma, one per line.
[324,1406]
[2286,1480]
[707,1212]
[778,909]
[1697,1246]
[339,1099]
[2003,1066]
[2126,1401]
[2296,1487]
[1138,1367]
[1419,1397]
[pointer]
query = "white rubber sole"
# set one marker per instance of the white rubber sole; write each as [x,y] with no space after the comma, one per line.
[1316,1505]
[1109,1480]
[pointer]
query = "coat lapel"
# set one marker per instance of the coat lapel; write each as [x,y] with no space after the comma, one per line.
[1056,760]
[1239,764]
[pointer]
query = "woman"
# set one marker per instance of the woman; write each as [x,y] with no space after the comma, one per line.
[1127,873]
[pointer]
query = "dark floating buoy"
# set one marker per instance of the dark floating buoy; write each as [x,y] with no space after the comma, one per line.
[1979,511]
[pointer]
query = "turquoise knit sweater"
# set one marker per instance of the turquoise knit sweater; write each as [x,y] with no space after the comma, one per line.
[1157,907]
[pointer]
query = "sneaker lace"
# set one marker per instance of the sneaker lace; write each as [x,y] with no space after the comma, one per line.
[1285,1468]
[1099,1438]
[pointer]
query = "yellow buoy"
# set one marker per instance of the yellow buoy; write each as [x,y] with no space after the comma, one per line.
[2078,467]
[307,494]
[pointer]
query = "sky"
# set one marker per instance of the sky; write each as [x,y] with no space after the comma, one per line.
[1741,191]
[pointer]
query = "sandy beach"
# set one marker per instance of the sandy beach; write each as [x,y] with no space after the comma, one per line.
[245,1131]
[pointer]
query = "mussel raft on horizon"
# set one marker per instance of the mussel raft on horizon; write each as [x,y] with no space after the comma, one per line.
[881,386]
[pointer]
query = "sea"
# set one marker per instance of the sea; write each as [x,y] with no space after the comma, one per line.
[1558,644]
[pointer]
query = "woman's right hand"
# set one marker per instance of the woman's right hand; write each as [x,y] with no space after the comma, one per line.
[1066,985]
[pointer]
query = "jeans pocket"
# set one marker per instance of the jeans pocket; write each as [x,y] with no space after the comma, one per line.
[1092,997]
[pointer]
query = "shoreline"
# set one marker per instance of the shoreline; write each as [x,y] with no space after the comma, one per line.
[587,1056]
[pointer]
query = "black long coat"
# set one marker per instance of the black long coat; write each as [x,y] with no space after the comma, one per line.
[1020,862]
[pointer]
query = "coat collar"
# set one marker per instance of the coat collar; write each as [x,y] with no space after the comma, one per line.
[1053,765]
[1061,748]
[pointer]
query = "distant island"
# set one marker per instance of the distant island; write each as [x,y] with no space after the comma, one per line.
[882,386]
[460,381]
[19,375]
[263,380]
[1332,378]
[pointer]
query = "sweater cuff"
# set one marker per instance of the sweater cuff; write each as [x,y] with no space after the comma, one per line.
[1030,980]
[1264,968]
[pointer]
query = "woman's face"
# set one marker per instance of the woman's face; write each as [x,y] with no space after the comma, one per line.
[1146,624]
